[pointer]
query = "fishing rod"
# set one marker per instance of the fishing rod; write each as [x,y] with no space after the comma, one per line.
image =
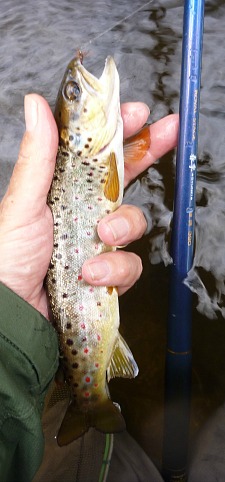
[178,356]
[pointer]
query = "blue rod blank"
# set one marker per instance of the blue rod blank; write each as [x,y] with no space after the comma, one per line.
[178,358]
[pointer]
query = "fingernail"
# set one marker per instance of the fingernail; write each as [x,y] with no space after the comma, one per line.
[119,227]
[98,270]
[31,113]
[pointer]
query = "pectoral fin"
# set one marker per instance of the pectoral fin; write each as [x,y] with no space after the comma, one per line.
[136,146]
[122,363]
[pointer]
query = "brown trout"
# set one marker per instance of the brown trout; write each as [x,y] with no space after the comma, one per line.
[87,184]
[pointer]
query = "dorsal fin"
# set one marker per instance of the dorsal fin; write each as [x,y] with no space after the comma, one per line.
[112,185]
[136,146]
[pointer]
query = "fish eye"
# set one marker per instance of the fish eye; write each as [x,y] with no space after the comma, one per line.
[72,91]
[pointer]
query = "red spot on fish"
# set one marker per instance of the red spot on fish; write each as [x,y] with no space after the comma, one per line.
[75,219]
[86,350]
[82,326]
[87,379]
[81,307]
[87,394]
[99,198]
[95,385]
[97,365]
[98,337]
[91,290]
[79,277]
[88,233]
[76,250]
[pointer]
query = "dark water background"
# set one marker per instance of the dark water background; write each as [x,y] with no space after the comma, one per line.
[37,41]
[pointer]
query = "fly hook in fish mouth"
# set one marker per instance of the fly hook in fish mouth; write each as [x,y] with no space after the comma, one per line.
[81,54]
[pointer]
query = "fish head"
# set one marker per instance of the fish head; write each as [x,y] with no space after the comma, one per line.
[88,108]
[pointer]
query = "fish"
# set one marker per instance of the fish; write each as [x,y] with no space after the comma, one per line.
[88,184]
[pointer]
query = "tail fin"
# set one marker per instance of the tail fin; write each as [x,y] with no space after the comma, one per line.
[74,425]
[106,418]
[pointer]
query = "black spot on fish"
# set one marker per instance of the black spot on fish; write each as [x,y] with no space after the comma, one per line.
[61,169]
[56,224]
[55,245]
[74,352]
[52,203]
[64,236]
[90,174]
[85,110]
[59,256]
[71,138]
[102,167]
[85,163]
[79,153]
[68,326]
[63,207]
[65,154]
[75,365]
[56,198]
[69,342]
[65,295]
[95,160]
[53,280]
[89,180]
[102,181]
[86,146]
[55,178]
[66,267]
[75,385]
[89,139]
[51,266]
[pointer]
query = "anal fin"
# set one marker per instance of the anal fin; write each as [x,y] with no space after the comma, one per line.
[122,363]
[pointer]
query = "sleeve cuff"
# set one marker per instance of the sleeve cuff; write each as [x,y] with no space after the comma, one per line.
[31,335]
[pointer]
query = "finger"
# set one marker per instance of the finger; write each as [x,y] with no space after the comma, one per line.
[120,268]
[33,171]
[123,226]
[163,138]
[135,115]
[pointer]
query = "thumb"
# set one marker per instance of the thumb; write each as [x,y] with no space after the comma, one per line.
[33,171]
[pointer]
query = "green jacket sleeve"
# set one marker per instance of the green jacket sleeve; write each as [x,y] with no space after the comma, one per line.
[28,362]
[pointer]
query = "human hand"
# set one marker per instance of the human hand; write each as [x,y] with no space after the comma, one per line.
[26,226]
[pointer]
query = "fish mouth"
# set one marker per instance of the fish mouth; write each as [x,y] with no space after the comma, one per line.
[107,80]
[106,87]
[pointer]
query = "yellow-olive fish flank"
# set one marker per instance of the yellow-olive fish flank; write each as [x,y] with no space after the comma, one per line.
[87,185]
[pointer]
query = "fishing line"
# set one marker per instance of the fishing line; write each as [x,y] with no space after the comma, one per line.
[115,25]
[106,457]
